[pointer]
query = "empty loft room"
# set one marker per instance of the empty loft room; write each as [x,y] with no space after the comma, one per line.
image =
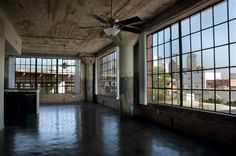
[117,77]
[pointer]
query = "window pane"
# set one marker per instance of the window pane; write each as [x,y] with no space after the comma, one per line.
[176,97]
[167,34]
[154,53]
[187,77]
[195,23]
[161,81]
[232,28]
[208,100]
[196,61]
[155,95]
[187,98]
[222,79]
[27,61]
[154,39]
[168,65]
[233,78]
[168,96]
[233,102]
[185,64]
[207,17]
[196,41]
[220,12]
[175,31]
[161,51]
[175,47]
[232,10]
[207,38]
[18,60]
[209,79]
[208,59]
[221,57]
[174,64]
[161,95]
[197,80]
[222,101]
[186,44]
[155,81]
[221,34]
[160,37]
[22,61]
[167,49]
[233,54]
[197,99]
[185,27]
[155,63]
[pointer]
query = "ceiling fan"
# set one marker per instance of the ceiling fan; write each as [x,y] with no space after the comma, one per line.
[113,26]
[64,65]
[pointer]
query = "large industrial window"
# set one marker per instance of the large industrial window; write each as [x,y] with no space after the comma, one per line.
[192,63]
[48,75]
[107,74]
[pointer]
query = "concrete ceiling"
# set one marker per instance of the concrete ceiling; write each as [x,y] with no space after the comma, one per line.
[46,25]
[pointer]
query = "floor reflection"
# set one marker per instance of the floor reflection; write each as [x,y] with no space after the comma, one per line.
[95,130]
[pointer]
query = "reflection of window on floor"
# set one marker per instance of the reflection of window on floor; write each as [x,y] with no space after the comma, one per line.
[48,75]
[192,63]
[107,74]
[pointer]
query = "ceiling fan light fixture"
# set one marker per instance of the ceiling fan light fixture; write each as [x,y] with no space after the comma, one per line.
[111,31]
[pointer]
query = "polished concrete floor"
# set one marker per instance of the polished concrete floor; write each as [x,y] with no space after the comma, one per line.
[94,130]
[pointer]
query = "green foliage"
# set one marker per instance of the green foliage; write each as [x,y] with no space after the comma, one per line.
[160,81]
[233,103]
[210,100]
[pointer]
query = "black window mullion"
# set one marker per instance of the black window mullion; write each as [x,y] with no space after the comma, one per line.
[229,58]
[213,9]
[202,76]
[57,76]
[181,65]
[36,73]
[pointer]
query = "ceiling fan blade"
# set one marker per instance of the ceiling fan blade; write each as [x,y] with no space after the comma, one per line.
[133,30]
[89,27]
[100,19]
[130,21]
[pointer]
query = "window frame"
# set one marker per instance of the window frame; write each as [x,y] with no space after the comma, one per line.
[43,68]
[150,61]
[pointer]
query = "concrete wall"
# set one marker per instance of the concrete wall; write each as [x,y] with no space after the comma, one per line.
[108,101]
[61,98]
[11,36]
[2,54]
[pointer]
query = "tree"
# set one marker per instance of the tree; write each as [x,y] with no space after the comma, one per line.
[160,80]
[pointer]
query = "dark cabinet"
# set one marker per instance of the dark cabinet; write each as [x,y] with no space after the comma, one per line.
[17,105]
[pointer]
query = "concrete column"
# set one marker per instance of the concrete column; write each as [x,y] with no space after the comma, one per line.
[89,61]
[9,72]
[2,55]
[142,69]
[126,46]
[77,76]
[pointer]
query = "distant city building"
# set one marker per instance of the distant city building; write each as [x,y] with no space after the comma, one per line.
[173,67]
[192,61]
[197,79]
